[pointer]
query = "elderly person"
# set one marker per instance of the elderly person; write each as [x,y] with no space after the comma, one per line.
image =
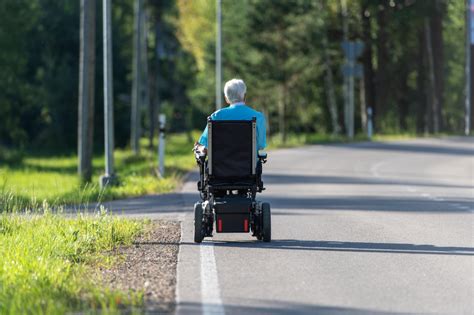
[234,91]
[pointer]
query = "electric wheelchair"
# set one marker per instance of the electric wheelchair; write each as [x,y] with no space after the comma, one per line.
[230,178]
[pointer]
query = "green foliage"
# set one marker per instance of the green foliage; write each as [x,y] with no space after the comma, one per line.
[47,260]
[274,45]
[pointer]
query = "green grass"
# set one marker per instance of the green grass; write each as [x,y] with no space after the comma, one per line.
[294,140]
[48,263]
[28,183]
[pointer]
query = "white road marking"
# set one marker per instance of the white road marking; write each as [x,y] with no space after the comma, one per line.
[210,294]
[425,195]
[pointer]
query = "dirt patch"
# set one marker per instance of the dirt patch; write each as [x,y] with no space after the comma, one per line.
[150,266]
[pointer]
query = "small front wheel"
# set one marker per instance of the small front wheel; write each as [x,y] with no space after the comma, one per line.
[266,222]
[198,223]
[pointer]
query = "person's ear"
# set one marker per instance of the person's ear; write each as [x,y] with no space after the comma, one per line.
[226,100]
[245,97]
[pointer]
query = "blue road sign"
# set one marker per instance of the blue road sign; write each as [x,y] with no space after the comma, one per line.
[471,21]
[353,49]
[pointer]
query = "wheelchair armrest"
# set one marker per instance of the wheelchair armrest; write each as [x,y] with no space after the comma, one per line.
[200,156]
[262,155]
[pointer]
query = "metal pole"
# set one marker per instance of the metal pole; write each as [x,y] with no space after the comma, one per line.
[161,146]
[108,177]
[137,78]
[467,117]
[219,55]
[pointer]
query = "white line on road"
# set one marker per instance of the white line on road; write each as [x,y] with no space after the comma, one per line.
[211,298]
[411,189]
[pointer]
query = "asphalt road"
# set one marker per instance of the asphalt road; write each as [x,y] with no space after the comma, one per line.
[367,228]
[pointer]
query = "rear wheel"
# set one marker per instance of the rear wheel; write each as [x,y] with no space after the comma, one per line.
[198,223]
[266,222]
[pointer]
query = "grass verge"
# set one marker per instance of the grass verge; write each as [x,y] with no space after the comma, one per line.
[27,183]
[47,262]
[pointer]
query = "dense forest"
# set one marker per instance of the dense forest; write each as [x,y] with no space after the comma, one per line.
[288,52]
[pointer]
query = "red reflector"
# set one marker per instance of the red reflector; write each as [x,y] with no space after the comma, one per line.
[246,225]
[219,225]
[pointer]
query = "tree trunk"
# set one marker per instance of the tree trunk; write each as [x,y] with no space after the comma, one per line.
[420,84]
[281,113]
[86,89]
[403,99]
[436,24]
[345,88]
[431,76]
[145,95]
[137,76]
[382,63]
[329,80]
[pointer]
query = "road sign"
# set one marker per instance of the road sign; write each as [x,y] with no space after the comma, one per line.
[352,70]
[353,49]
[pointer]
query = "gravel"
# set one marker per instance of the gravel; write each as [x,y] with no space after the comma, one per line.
[149,266]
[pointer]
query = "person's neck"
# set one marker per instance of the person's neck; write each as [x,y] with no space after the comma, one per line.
[238,103]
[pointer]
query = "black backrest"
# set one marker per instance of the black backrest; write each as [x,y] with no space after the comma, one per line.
[232,147]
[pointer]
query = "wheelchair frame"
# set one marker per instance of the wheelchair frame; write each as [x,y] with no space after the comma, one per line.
[232,204]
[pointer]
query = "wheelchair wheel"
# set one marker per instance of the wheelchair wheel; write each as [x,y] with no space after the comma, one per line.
[198,223]
[266,222]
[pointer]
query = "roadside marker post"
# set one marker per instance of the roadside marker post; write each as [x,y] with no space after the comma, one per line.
[161,146]
[350,70]
[369,123]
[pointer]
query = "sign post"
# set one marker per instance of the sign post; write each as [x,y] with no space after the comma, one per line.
[161,146]
[350,70]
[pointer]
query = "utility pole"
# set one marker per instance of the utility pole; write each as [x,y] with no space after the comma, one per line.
[137,78]
[85,136]
[469,49]
[219,54]
[432,80]
[109,176]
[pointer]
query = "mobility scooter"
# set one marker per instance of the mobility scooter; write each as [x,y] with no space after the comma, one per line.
[230,178]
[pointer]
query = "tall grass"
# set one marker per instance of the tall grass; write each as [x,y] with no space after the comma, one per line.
[47,262]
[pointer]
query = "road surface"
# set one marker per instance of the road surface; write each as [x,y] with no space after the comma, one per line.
[365,228]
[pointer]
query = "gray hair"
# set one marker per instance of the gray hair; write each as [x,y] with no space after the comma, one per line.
[235,90]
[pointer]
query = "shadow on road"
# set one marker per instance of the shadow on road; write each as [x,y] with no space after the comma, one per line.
[365,203]
[285,179]
[274,307]
[395,248]
[416,147]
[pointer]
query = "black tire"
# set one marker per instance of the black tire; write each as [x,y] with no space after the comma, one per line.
[198,223]
[266,222]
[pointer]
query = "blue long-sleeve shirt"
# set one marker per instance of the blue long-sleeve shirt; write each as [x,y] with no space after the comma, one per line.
[240,111]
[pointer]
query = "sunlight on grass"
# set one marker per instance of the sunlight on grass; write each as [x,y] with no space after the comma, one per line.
[54,178]
[47,262]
